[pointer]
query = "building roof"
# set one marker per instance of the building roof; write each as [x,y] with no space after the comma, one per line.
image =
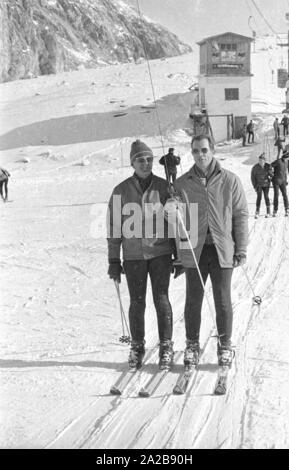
[224,34]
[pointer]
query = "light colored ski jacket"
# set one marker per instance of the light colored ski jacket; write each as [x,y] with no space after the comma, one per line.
[222,209]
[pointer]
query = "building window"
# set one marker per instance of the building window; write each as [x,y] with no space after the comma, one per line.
[228,51]
[231,94]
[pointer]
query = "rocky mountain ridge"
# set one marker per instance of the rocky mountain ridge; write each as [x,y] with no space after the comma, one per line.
[39,37]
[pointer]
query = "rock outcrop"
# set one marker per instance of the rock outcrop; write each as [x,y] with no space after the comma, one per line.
[39,37]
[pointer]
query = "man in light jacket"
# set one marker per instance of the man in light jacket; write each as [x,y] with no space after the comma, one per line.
[221,244]
[146,248]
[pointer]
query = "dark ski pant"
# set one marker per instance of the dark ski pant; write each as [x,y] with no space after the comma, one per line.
[159,270]
[171,175]
[4,184]
[265,191]
[283,190]
[221,283]
[251,134]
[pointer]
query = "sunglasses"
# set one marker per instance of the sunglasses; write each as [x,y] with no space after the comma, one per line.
[197,151]
[144,159]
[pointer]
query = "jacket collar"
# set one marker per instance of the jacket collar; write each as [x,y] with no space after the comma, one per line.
[217,169]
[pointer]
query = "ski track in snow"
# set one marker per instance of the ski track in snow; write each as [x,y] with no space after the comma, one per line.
[59,316]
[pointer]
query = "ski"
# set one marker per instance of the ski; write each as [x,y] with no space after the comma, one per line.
[152,384]
[221,385]
[121,383]
[150,387]
[183,381]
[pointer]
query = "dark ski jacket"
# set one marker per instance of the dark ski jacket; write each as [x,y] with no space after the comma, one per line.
[261,177]
[4,174]
[250,127]
[148,239]
[280,168]
[170,162]
[285,121]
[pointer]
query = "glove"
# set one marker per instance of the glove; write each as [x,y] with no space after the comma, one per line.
[171,208]
[239,260]
[115,270]
[177,268]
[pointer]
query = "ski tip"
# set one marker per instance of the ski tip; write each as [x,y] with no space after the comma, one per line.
[143,393]
[115,391]
[178,390]
[220,391]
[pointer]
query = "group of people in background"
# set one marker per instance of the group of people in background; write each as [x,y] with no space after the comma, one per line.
[266,174]
[263,175]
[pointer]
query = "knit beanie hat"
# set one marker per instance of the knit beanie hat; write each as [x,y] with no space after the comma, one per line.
[139,149]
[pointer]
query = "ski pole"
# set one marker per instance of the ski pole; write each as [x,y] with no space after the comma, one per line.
[125,338]
[256,299]
[199,273]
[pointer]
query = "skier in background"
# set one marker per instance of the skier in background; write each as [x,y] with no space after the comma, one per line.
[250,130]
[143,254]
[261,174]
[170,162]
[276,128]
[244,135]
[279,144]
[4,177]
[285,123]
[279,180]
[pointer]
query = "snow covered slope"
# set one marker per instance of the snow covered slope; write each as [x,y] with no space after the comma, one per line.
[66,145]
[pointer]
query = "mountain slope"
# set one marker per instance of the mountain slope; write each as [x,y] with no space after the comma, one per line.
[41,37]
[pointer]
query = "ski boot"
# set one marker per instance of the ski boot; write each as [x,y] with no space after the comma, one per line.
[226,355]
[136,354]
[192,354]
[256,214]
[268,213]
[274,213]
[287,213]
[166,354]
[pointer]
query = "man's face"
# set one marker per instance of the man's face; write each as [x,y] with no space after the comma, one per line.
[202,153]
[143,166]
[261,162]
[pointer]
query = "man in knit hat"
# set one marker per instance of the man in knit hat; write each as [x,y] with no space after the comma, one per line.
[143,253]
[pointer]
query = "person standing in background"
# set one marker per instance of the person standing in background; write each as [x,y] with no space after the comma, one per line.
[261,177]
[4,177]
[170,162]
[279,180]
[244,135]
[276,128]
[250,130]
[285,122]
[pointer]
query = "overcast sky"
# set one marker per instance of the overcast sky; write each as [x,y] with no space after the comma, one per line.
[193,20]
